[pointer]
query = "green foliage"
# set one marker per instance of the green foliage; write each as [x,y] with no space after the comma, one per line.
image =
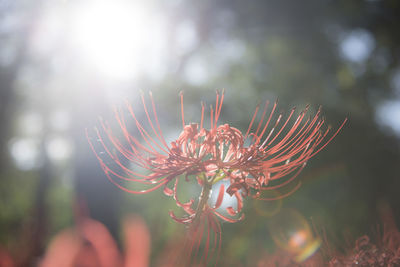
[16,196]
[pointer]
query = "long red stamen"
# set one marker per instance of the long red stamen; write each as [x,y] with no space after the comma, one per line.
[262,118]
[269,119]
[251,122]
[202,115]
[182,111]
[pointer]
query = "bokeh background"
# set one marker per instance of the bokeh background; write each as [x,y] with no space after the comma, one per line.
[64,63]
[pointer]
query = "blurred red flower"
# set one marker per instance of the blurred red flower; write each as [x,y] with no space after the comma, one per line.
[381,250]
[91,244]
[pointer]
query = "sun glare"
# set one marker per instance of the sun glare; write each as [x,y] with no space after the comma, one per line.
[116,36]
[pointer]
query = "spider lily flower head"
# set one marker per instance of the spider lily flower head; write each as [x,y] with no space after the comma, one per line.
[277,151]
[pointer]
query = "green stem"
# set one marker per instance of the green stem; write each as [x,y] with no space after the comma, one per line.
[221,176]
[203,199]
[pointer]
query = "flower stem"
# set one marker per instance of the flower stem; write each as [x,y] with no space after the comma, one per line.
[218,177]
[204,196]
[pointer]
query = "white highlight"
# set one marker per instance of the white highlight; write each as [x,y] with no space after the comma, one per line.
[58,148]
[25,152]
[388,114]
[357,46]
[117,37]
[228,201]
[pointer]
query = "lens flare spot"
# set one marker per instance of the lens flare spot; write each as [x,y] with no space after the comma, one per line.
[291,232]
[298,239]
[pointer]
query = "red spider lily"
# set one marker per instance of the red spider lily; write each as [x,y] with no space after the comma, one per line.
[276,156]
[276,150]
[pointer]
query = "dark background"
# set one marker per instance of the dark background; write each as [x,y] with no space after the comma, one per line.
[343,55]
